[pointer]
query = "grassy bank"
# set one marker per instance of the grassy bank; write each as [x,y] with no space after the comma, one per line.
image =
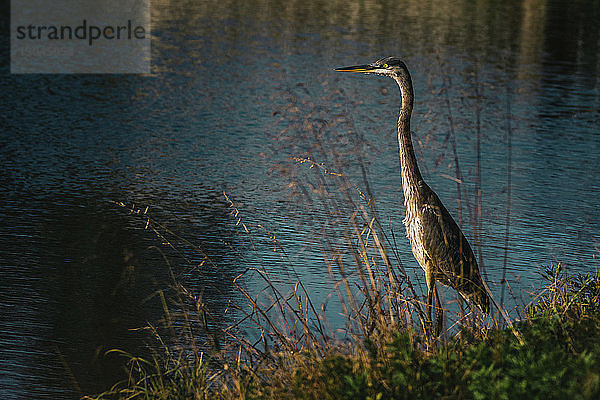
[551,352]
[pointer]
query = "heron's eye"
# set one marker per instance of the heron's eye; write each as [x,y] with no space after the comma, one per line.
[385,66]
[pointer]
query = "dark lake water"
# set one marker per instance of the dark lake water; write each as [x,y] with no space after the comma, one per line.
[240,89]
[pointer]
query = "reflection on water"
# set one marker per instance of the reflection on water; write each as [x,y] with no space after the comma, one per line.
[225,110]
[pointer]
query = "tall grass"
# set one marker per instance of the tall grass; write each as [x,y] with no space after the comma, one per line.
[386,353]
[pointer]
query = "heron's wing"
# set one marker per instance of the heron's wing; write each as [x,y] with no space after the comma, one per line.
[447,248]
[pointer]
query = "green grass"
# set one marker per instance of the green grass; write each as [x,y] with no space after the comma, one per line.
[552,352]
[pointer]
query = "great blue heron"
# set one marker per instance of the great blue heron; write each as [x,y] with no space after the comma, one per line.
[437,242]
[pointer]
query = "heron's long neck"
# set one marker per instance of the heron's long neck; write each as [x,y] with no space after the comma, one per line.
[408,162]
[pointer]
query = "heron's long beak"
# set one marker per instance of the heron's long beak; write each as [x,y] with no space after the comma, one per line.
[357,68]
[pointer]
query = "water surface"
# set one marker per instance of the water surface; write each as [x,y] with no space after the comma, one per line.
[227,108]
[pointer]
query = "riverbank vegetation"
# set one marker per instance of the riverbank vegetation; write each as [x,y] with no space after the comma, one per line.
[280,346]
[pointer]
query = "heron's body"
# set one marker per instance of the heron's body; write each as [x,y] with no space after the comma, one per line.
[437,242]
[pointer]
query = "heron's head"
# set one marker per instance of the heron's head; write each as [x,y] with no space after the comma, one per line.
[387,66]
